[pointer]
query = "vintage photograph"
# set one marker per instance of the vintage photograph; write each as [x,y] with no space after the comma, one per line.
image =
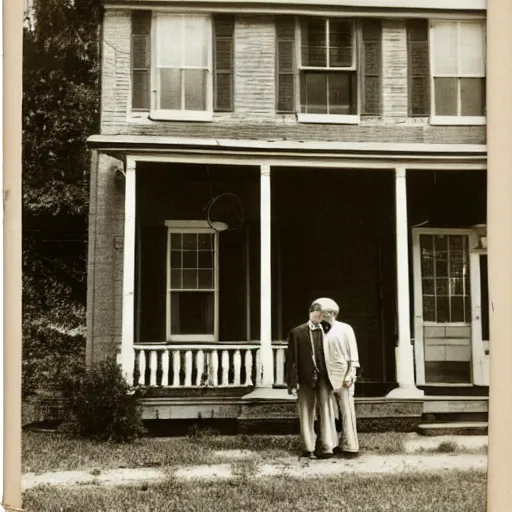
[255,269]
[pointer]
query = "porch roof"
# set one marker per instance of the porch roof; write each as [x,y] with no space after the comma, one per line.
[291,153]
[388,8]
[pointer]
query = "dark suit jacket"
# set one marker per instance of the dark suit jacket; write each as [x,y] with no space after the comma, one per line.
[300,368]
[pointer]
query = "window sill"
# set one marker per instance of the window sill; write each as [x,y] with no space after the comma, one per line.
[185,115]
[458,120]
[328,119]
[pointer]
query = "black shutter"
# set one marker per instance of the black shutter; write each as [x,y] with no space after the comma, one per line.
[371,67]
[223,63]
[285,64]
[418,64]
[141,59]
[153,283]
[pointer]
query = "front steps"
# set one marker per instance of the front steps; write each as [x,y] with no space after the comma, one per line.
[461,428]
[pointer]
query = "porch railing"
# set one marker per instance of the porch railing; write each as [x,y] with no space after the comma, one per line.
[205,365]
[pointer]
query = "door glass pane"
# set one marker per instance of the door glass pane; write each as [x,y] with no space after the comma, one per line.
[445,92]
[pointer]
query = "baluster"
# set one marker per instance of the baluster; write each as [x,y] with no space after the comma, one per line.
[200,367]
[259,368]
[237,363]
[225,368]
[215,368]
[176,367]
[153,367]
[188,368]
[165,368]
[280,366]
[248,367]
[142,367]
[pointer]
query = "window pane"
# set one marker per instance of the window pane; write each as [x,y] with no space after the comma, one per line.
[192,313]
[176,259]
[196,42]
[169,41]
[472,49]
[170,89]
[445,49]
[189,241]
[443,310]
[456,286]
[314,93]
[190,279]
[342,93]
[205,279]
[190,259]
[340,43]
[175,279]
[205,259]
[441,243]
[445,90]
[175,240]
[313,43]
[205,241]
[442,287]
[472,96]
[195,89]
[429,313]
[428,287]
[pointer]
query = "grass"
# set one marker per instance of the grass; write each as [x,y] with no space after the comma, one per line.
[54,452]
[453,491]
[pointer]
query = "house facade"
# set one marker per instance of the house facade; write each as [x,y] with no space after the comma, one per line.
[254,156]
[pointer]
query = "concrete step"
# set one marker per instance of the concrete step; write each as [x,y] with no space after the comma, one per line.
[469,428]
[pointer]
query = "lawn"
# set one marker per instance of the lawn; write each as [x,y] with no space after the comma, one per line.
[54,452]
[454,491]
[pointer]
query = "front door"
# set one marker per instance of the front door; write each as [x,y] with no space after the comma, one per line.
[447,303]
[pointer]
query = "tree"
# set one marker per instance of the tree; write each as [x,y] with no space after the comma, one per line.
[60,111]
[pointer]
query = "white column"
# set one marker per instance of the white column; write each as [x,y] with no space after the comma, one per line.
[404,351]
[127,340]
[266,281]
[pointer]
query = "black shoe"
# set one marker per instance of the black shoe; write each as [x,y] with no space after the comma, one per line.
[350,455]
[337,451]
[326,455]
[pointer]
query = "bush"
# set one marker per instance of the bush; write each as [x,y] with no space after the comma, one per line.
[102,406]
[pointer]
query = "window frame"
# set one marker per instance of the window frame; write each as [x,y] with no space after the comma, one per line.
[182,114]
[356,67]
[456,119]
[196,227]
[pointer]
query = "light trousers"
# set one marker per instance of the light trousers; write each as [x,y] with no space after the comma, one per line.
[349,441]
[308,401]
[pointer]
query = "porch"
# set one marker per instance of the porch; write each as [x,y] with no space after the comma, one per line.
[367,202]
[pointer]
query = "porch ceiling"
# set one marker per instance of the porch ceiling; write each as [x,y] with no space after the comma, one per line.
[291,153]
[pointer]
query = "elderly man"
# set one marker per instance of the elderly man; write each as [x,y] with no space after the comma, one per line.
[342,361]
[308,378]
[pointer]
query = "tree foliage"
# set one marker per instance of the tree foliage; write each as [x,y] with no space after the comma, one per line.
[60,111]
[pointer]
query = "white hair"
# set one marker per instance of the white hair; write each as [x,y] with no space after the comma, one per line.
[328,304]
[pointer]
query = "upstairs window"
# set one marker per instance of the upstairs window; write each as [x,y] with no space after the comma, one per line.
[181,65]
[329,70]
[447,74]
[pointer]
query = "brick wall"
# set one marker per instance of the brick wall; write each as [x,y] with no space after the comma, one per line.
[105,264]
[254,116]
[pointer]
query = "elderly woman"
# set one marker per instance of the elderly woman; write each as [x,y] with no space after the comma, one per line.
[342,361]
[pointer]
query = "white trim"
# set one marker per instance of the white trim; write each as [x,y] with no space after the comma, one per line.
[328,118]
[419,348]
[189,224]
[204,116]
[445,5]
[128,304]
[458,120]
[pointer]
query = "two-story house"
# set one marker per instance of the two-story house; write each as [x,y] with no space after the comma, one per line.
[254,156]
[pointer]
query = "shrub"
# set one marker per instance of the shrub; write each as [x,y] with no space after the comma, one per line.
[102,406]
